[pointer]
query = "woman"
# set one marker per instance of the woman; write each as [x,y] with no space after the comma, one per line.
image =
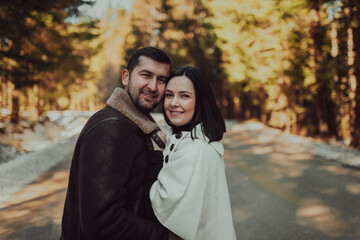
[190,197]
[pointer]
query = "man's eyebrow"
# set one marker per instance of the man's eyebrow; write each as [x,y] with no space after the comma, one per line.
[149,72]
[146,71]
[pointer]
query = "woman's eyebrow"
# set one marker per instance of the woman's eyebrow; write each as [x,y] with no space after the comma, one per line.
[181,92]
[184,91]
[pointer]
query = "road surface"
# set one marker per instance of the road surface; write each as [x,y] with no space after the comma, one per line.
[281,191]
[278,191]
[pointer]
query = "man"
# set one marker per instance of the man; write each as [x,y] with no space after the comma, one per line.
[106,197]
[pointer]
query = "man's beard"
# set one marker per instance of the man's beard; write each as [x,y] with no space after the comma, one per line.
[143,107]
[138,101]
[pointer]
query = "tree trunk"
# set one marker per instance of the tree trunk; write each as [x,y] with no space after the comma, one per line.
[356,36]
[342,73]
[318,60]
[2,95]
[244,105]
[230,105]
[40,102]
[8,88]
[338,38]
[2,84]
[324,104]
[15,107]
[334,41]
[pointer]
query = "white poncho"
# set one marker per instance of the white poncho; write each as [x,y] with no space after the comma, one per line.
[191,197]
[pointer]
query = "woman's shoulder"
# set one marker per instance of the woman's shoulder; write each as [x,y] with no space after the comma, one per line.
[196,145]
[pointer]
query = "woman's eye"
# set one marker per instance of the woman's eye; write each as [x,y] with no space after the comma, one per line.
[168,95]
[185,96]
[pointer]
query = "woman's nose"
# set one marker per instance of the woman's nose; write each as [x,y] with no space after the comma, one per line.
[174,102]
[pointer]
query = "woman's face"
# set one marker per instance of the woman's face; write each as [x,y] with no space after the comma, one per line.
[179,103]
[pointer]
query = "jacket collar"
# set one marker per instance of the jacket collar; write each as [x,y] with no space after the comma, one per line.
[122,102]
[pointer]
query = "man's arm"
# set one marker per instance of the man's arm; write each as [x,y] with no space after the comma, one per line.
[155,162]
[105,160]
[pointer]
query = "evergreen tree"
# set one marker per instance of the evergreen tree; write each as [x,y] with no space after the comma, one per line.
[35,41]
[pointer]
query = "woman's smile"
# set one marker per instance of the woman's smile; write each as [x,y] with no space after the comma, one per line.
[175,113]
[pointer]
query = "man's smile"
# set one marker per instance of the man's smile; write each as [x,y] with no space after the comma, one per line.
[148,95]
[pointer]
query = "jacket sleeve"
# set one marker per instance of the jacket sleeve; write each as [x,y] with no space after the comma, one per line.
[105,160]
[155,162]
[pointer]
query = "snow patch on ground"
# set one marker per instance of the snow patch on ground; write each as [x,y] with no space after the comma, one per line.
[43,145]
[33,136]
[333,151]
[7,153]
[22,170]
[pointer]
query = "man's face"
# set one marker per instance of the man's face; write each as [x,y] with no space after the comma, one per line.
[146,85]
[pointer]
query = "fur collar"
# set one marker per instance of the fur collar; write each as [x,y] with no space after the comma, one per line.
[122,102]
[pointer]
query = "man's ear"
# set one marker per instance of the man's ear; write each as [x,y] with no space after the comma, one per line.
[125,77]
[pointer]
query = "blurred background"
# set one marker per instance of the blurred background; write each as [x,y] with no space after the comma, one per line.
[291,64]
[285,73]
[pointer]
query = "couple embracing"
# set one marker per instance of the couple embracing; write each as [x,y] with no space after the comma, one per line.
[128,180]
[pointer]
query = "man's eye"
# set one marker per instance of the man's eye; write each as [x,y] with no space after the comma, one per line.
[146,75]
[162,81]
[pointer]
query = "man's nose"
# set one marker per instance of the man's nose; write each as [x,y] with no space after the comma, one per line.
[153,84]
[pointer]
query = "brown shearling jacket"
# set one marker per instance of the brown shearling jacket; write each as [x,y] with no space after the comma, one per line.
[106,198]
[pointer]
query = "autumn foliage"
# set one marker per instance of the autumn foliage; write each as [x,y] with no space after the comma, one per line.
[293,65]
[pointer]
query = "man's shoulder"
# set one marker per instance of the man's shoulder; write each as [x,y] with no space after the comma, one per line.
[110,114]
[107,111]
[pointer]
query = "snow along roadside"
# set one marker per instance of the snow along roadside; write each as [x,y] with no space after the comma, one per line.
[22,170]
[334,152]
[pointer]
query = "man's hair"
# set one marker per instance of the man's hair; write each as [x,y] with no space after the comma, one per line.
[206,110]
[150,52]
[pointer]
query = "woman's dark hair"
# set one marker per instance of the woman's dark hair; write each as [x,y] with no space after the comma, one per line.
[151,52]
[206,110]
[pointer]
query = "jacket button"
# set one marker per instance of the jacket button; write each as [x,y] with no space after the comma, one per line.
[172,147]
[178,135]
[166,159]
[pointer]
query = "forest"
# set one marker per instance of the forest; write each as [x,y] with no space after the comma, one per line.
[291,64]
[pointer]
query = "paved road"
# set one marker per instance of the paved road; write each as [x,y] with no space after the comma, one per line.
[277,188]
[35,212]
[280,191]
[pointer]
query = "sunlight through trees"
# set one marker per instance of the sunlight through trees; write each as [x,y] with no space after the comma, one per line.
[293,65]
